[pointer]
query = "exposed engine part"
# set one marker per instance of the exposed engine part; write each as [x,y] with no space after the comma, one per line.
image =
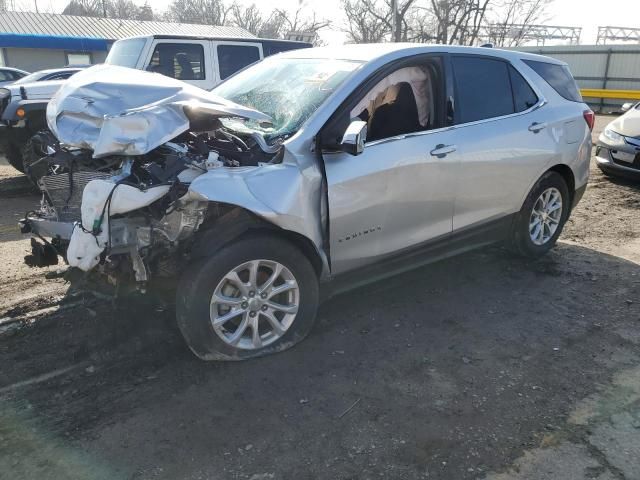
[130,216]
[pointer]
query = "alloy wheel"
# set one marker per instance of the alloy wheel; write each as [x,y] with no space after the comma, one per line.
[545,216]
[254,304]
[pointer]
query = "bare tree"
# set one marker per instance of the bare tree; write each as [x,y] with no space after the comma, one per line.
[125,9]
[366,22]
[513,20]
[373,20]
[84,8]
[458,21]
[250,18]
[299,22]
[206,12]
[278,23]
[146,12]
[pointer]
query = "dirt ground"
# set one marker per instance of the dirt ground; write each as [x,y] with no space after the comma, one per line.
[481,366]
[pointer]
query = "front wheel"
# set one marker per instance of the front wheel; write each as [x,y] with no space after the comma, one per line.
[256,296]
[539,223]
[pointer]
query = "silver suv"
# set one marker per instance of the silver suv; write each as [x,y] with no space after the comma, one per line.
[306,174]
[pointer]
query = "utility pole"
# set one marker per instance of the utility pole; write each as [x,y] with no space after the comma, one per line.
[394,21]
[36,4]
[104,8]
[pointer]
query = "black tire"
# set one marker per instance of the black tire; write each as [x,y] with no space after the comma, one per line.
[519,240]
[34,150]
[14,157]
[200,280]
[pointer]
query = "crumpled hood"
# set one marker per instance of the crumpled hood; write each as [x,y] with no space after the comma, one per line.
[627,124]
[120,111]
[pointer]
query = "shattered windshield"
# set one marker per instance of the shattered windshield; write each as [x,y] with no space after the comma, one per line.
[289,90]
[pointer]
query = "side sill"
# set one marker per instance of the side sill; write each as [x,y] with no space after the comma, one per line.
[426,253]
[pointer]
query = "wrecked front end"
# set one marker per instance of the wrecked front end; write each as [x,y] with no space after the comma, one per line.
[138,171]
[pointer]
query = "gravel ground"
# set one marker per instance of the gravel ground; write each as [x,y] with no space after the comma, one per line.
[481,366]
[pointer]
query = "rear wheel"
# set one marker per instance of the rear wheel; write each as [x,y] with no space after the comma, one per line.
[254,297]
[539,223]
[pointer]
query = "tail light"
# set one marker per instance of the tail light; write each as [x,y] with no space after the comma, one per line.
[590,118]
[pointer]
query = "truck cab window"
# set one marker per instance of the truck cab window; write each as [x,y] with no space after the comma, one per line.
[183,61]
[232,58]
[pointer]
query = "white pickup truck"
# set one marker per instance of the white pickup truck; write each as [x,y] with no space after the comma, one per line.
[200,61]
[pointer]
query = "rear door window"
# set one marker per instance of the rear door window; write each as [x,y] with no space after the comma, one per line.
[232,58]
[183,61]
[559,77]
[483,88]
[523,95]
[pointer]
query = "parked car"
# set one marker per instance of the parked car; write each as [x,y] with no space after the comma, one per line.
[49,74]
[203,62]
[618,147]
[306,174]
[10,75]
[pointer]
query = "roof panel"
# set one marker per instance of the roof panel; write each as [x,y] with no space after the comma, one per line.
[106,28]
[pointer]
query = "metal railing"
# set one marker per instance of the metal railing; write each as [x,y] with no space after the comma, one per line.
[615,94]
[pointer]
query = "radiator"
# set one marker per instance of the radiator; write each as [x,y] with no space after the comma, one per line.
[64,192]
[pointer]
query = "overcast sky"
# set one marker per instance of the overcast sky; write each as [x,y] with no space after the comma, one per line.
[588,14]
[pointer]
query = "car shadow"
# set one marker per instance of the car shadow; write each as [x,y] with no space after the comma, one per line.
[482,308]
[484,340]
[623,181]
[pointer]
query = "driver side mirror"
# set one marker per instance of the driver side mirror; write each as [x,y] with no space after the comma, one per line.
[354,138]
[626,107]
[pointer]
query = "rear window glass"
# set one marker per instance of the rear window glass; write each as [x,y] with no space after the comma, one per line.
[523,95]
[559,77]
[483,88]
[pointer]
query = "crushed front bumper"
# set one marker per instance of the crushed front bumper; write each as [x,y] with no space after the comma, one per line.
[46,228]
[621,160]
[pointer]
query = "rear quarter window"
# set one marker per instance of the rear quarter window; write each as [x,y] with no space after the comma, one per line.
[523,95]
[559,77]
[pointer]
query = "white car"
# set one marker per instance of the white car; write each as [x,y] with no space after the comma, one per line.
[9,75]
[618,148]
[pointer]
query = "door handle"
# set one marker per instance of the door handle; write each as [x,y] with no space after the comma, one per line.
[535,127]
[442,150]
